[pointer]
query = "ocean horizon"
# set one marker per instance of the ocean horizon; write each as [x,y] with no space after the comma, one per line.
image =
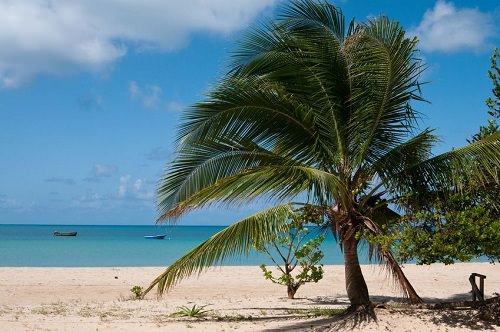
[34,245]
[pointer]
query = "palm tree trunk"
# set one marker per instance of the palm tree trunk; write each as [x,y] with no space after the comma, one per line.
[357,291]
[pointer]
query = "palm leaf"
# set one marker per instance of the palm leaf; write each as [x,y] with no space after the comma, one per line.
[385,72]
[385,257]
[278,182]
[476,166]
[238,239]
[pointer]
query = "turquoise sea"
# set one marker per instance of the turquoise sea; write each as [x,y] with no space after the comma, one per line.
[35,245]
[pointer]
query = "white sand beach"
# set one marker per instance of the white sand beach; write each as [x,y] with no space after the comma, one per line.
[239,299]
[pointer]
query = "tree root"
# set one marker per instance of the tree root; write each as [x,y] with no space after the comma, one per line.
[360,312]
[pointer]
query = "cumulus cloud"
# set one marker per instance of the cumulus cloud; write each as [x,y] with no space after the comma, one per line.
[446,28]
[101,171]
[141,191]
[93,200]
[149,96]
[7,203]
[174,106]
[60,36]
[90,200]
[104,170]
[138,190]
[122,188]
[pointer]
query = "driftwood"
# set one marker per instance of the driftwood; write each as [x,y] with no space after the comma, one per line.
[487,310]
[460,305]
[477,292]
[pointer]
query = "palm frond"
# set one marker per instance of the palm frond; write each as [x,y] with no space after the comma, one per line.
[385,257]
[385,75]
[238,239]
[278,182]
[203,165]
[395,162]
[474,167]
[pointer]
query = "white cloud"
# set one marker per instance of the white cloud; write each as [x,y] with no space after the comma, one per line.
[14,204]
[446,28]
[60,36]
[138,191]
[149,96]
[101,171]
[91,200]
[141,192]
[133,90]
[123,187]
[174,106]
[138,185]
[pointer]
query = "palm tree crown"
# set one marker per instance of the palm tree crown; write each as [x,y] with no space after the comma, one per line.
[315,107]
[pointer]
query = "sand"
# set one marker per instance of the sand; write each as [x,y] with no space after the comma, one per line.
[238,299]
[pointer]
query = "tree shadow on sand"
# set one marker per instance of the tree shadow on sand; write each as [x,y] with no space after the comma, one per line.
[347,321]
[326,300]
[456,311]
[470,314]
[462,319]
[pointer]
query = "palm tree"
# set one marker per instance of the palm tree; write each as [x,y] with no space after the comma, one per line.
[312,107]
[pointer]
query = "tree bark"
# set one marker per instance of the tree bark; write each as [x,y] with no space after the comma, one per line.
[357,291]
[291,290]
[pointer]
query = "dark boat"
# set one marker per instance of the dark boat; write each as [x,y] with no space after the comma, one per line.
[56,233]
[155,237]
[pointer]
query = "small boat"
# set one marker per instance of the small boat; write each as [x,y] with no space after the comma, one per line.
[56,233]
[155,237]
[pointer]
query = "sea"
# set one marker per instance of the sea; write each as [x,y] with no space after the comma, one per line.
[36,246]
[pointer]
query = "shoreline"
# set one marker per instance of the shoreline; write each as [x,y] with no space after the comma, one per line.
[36,298]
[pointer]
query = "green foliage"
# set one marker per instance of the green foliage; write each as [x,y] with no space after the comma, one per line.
[493,103]
[494,74]
[485,131]
[440,227]
[446,230]
[137,292]
[194,311]
[490,197]
[290,249]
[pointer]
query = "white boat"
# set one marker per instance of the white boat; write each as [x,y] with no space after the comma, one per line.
[155,237]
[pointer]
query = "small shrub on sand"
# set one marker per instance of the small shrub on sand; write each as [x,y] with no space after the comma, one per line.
[137,292]
[297,246]
[194,311]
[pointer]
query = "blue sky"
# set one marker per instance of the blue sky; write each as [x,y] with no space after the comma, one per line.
[91,92]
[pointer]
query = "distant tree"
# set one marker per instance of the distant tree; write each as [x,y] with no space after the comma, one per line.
[457,227]
[446,231]
[296,246]
[493,103]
